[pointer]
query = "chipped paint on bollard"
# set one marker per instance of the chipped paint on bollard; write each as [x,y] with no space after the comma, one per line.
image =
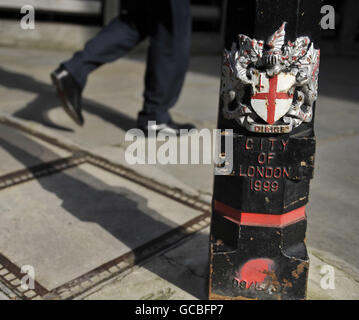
[268,93]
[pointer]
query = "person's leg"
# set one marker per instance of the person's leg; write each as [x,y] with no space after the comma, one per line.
[167,58]
[112,42]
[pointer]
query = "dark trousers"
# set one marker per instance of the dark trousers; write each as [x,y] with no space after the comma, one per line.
[167,24]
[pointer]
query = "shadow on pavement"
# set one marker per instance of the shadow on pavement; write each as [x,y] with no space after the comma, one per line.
[47,100]
[119,211]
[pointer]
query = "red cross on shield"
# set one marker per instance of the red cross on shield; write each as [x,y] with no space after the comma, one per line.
[270,99]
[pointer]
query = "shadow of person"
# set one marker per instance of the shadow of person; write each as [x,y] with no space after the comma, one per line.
[120,211]
[46,99]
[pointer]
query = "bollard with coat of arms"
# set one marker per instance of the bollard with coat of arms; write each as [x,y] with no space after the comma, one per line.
[267,97]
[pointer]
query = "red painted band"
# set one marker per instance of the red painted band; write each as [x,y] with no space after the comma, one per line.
[260,219]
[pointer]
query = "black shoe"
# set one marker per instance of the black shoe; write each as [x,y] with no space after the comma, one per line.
[171,128]
[69,93]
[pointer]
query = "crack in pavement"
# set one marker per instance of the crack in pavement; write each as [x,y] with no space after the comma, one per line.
[175,263]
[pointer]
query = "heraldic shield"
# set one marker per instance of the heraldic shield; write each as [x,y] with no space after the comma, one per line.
[272,96]
[281,80]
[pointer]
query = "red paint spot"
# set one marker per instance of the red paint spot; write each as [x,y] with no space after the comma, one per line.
[255,271]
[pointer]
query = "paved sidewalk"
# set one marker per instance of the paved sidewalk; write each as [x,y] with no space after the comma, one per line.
[112,100]
[186,277]
[3,296]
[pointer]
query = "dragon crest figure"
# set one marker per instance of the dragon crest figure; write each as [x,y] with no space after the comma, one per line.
[270,87]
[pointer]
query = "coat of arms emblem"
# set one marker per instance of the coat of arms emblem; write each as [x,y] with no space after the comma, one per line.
[270,87]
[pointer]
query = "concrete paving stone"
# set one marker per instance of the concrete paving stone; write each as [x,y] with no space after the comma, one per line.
[335,119]
[30,293]
[16,282]
[333,206]
[345,287]
[145,284]
[15,145]
[190,178]
[86,284]
[3,272]
[3,296]
[69,223]
[21,289]
[66,295]
[170,276]
[181,273]
[9,277]
[6,293]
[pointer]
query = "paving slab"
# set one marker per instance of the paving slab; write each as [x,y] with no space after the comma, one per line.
[19,151]
[3,296]
[69,223]
[346,283]
[181,273]
[333,206]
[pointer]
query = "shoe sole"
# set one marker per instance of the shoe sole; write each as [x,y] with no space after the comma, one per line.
[64,101]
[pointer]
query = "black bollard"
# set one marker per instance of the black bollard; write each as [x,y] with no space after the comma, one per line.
[268,92]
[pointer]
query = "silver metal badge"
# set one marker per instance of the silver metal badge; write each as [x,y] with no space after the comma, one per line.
[270,87]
